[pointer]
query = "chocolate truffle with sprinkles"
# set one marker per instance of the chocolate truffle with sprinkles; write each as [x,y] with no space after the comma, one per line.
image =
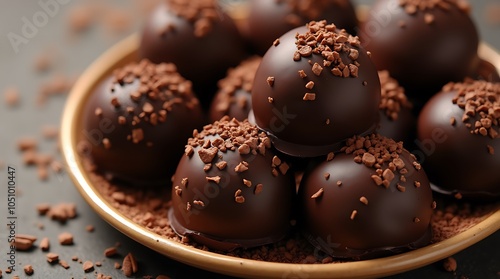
[269,19]
[198,37]
[137,122]
[396,118]
[315,89]
[424,44]
[234,96]
[459,129]
[230,189]
[371,199]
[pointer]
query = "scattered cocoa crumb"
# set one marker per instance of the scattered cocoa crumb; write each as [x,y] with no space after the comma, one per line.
[43,208]
[117,265]
[65,238]
[28,269]
[11,96]
[45,244]
[58,84]
[89,228]
[450,264]
[109,252]
[52,257]
[88,266]
[80,18]
[50,132]
[44,61]
[129,265]
[62,212]
[64,264]
[102,276]
[24,242]
[27,144]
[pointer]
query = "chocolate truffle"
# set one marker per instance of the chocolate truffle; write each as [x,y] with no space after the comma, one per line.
[485,71]
[396,119]
[138,120]
[372,199]
[230,190]
[423,43]
[269,19]
[314,89]
[458,131]
[198,37]
[234,96]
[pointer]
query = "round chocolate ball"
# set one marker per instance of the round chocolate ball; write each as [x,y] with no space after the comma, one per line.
[234,95]
[458,132]
[137,122]
[424,44]
[396,118]
[198,37]
[372,199]
[484,70]
[269,19]
[230,190]
[315,88]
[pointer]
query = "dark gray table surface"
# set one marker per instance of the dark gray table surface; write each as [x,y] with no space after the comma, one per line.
[72,55]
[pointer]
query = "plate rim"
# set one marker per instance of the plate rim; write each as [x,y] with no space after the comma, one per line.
[125,50]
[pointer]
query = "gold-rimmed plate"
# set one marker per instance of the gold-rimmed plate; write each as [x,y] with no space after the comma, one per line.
[125,52]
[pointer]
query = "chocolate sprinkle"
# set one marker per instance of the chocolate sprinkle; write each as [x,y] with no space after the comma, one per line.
[329,42]
[318,194]
[376,151]
[413,6]
[392,96]
[201,13]
[480,100]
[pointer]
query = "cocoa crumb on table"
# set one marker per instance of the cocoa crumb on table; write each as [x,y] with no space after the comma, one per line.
[450,264]
[12,96]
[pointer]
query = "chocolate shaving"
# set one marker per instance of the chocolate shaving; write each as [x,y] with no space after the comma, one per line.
[329,42]
[480,101]
[411,7]
[381,154]
[392,96]
[203,14]
[318,194]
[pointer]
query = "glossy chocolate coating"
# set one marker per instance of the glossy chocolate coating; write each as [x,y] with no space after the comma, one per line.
[421,56]
[396,117]
[485,71]
[384,226]
[136,163]
[222,223]
[456,160]
[299,128]
[203,60]
[238,108]
[234,97]
[267,19]
[400,129]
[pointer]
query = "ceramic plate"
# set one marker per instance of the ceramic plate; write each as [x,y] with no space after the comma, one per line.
[126,51]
